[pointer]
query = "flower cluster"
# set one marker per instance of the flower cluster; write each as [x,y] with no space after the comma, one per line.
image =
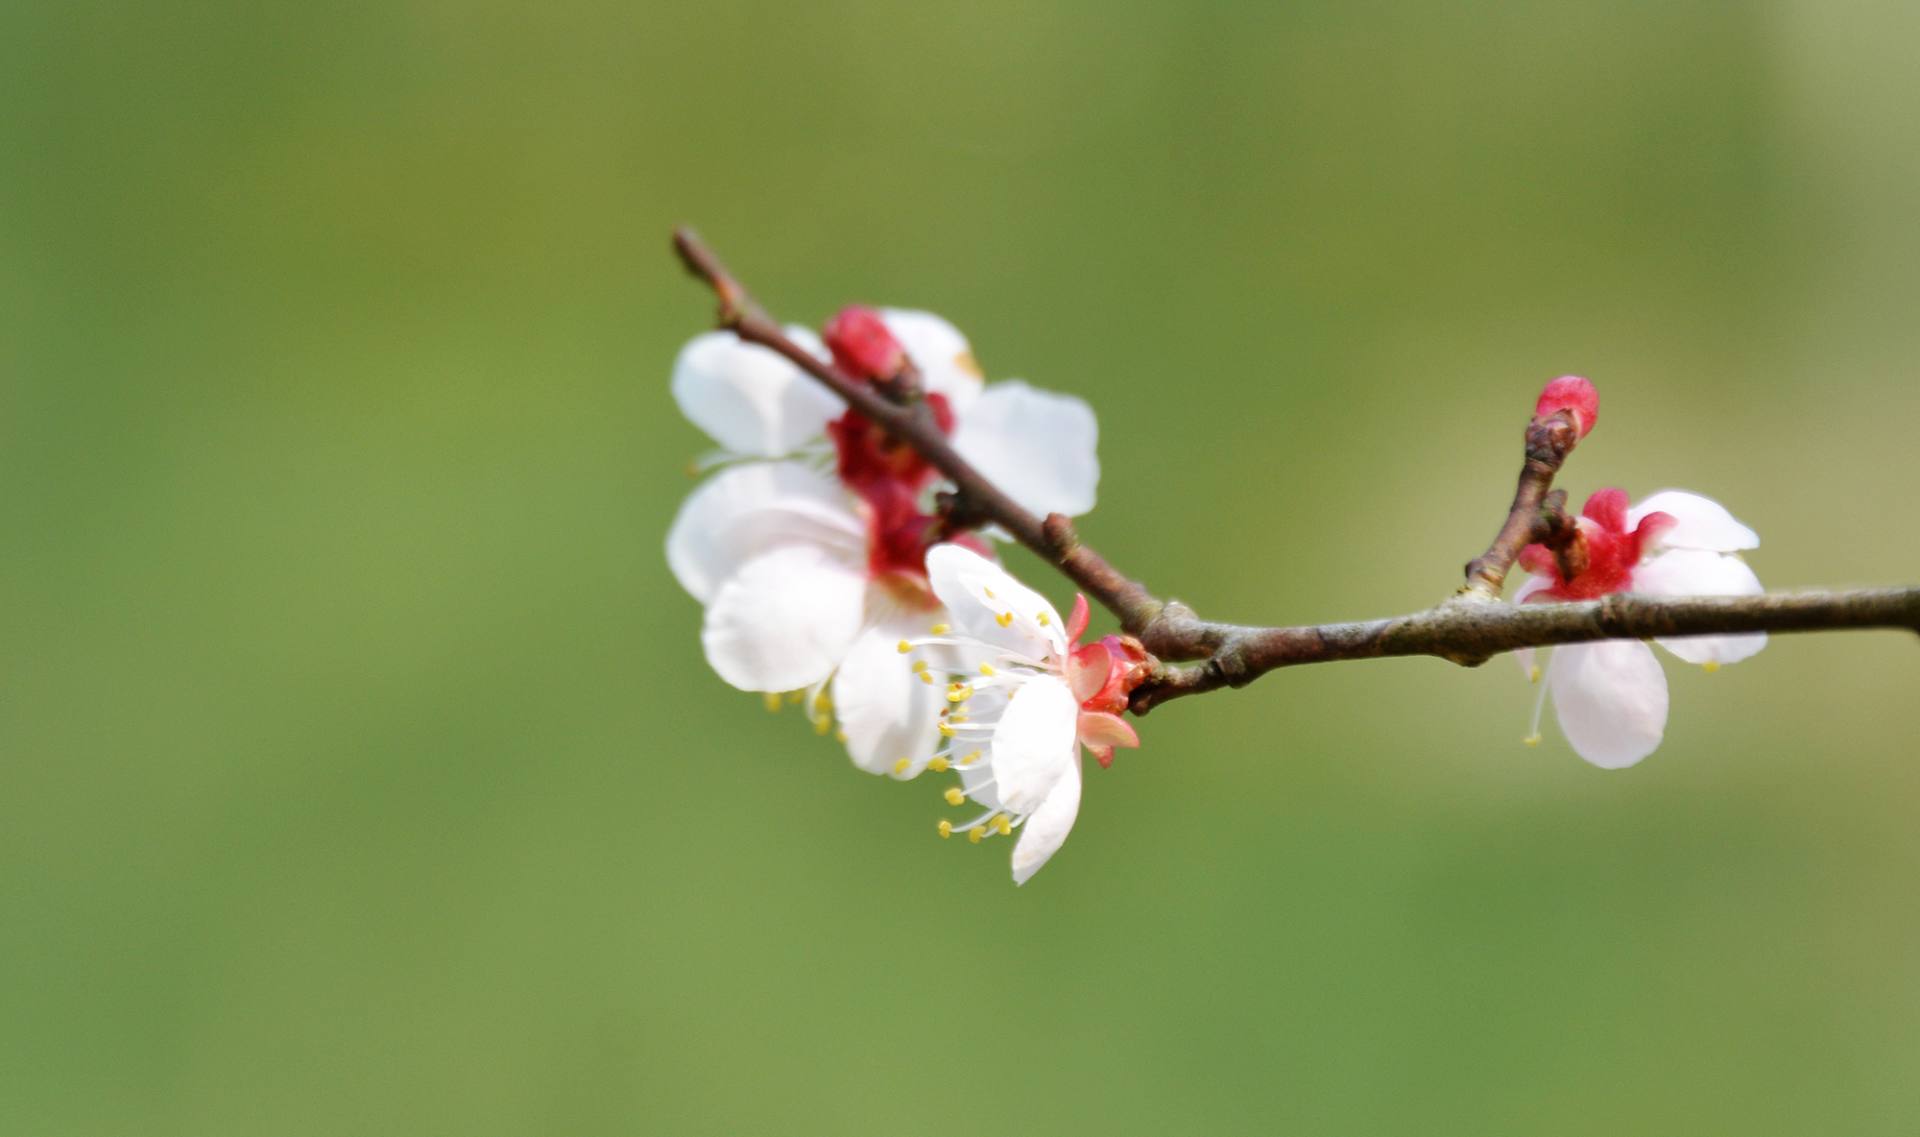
[809,543]
[831,576]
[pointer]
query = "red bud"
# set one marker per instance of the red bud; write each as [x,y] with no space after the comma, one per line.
[862,345]
[1574,395]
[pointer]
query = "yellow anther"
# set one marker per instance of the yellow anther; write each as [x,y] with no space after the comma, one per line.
[1531,740]
[839,736]
[823,702]
[1004,619]
[1002,824]
[1043,618]
[971,758]
[946,730]
[986,669]
[958,693]
[794,697]
[927,678]
[772,699]
[989,593]
[954,795]
[1710,666]
[822,726]
[902,766]
[937,765]
[956,719]
[942,629]
[946,829]
[904,647]
[919,665]
[977,834]
[1533,674]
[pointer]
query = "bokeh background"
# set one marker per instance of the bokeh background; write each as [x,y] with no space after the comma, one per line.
[360,772]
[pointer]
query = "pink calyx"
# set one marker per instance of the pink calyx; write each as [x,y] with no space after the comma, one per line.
[1102,675]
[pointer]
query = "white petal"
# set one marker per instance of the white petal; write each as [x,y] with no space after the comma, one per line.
[940,352]
[745,510]
[1611,700]
[990,605]
[887,712]
[786,619]
[1037,445]
[750,399]
[1033,745]
[1696,572]
[1530,586]
[1702,523]
[1047,828]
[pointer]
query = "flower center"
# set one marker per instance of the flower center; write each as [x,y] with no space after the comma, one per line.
[890,478]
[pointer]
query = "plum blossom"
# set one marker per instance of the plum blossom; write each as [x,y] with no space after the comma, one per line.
[1030,696]
[807,546]
[1611,697]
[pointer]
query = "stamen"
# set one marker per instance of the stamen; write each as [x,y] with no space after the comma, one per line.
[946,730]
[937,764]
[971,758]
[941,629]
[946,829]
[989,593]
[772,700]
[902,766]
[927,678]
[903,647]
[977,834]
[1004,619]
[839,736]
[1002,824]
[1043,618]
[954,795]
[1539,704]
[822,726]
[1710,666]
[986,669]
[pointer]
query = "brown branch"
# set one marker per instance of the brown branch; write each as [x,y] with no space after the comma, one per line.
[1469,632]
[1549,440]
[1467,629]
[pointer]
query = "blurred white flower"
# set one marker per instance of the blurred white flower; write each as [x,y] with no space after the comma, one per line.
[807,545]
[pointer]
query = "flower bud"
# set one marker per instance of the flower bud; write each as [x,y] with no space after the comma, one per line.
[862,346]
[1574,395]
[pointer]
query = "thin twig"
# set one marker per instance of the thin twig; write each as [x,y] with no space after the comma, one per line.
[1468,628]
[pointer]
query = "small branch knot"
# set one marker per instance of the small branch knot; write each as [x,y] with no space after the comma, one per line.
[1060,534]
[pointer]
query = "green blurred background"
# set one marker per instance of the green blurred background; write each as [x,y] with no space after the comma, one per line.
[360,770]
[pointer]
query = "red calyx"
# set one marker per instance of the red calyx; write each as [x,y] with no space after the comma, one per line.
[1574,395]
[1612,550]
[886,474]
